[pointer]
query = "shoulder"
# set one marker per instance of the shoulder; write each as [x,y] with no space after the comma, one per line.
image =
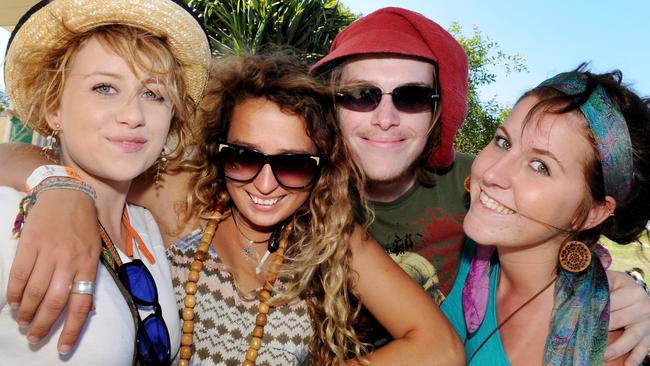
[459,170]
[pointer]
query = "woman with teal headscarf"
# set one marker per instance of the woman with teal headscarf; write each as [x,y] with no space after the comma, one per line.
[570,163]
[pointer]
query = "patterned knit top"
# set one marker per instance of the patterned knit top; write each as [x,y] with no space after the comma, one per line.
[225,318]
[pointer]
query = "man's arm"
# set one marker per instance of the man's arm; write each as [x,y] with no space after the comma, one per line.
[18,161]
[630,310]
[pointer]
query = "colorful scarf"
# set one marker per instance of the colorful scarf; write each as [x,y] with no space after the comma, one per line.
[580,317]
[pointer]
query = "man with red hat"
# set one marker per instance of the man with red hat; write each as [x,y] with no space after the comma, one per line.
[404,144]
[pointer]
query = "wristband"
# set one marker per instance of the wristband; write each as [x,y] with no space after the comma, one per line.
[46,171]
[45,178]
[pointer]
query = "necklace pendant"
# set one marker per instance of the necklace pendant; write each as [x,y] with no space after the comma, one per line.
[249,251]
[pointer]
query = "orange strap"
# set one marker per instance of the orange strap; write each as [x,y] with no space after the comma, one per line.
[131,234]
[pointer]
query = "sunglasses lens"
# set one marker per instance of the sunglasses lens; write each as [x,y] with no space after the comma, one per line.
[153,341]
[413,98]
[240,163]
[137,279]
[294,171]
[153,337]
[359,100]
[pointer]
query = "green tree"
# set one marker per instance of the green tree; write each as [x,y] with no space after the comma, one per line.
[247,25]
[483,117]
[4,100]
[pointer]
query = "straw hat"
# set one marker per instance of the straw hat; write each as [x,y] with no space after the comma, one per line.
[44,25]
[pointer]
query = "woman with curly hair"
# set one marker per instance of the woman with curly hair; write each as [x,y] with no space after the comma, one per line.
[272,175]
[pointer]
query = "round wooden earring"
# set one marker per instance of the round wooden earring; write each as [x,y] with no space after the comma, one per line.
[466,183]
[575,256]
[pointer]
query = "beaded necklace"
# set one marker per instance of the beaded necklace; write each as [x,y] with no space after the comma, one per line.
[189,301]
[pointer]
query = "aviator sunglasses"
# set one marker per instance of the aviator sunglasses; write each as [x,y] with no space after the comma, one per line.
[406,98]
[152,340]
[243,164]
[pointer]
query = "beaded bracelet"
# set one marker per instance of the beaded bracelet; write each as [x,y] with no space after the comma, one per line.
[48,184]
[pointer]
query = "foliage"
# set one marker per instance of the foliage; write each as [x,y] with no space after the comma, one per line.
[309,26]
[483,117]
[4,100]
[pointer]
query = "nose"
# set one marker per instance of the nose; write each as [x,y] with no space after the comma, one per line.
[386,115]
[500,172]
[265,181]
[131,113]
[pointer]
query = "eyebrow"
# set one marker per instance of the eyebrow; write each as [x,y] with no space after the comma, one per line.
[536,150]
[282,151]
[102,73]
[149,80]
[374,83]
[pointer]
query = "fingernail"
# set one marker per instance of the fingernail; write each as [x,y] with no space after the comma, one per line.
[33,339]
[65,349]
[608,354]
[23,324]
[14,305]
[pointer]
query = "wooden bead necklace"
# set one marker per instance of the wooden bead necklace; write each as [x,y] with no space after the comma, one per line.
[191,287]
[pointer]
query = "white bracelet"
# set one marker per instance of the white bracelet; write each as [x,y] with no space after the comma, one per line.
[46,171]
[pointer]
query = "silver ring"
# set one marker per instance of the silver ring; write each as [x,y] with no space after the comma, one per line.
[83,287]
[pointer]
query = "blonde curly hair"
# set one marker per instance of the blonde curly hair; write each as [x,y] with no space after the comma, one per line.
[317,260]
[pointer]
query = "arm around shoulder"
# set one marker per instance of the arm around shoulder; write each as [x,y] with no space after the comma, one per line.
[17,162]
[422,335]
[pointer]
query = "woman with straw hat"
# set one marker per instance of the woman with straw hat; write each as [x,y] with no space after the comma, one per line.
[110,83]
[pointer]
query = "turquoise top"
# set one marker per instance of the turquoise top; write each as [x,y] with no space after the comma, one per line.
[492,353]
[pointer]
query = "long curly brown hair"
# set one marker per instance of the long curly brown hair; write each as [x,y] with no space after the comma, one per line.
[317,260]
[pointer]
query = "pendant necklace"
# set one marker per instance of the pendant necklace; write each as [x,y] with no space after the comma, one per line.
[249,250]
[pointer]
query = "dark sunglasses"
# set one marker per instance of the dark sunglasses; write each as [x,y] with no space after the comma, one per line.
[406,98]
[243,164]
[152,340]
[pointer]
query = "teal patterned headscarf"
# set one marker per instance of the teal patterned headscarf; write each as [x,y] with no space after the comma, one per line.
[609,128]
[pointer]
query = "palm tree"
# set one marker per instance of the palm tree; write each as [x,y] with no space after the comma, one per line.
[248,25]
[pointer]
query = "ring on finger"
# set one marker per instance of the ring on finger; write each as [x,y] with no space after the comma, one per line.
[83,287]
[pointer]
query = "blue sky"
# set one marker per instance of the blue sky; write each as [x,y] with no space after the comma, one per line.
[553,35]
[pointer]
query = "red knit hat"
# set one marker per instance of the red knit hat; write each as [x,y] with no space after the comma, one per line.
[404,32]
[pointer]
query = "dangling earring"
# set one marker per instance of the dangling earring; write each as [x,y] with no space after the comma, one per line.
[466,183]
[50,147]
[575,256]
[160,166]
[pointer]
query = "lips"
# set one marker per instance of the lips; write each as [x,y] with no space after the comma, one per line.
[494,205]
[128,144]
[383,141]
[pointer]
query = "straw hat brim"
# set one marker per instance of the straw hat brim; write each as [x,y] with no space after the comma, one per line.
[43,26]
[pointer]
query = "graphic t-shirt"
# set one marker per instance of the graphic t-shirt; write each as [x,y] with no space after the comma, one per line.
[427,221]
[423,232]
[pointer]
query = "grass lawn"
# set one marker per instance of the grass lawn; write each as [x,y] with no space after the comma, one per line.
[630,255]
